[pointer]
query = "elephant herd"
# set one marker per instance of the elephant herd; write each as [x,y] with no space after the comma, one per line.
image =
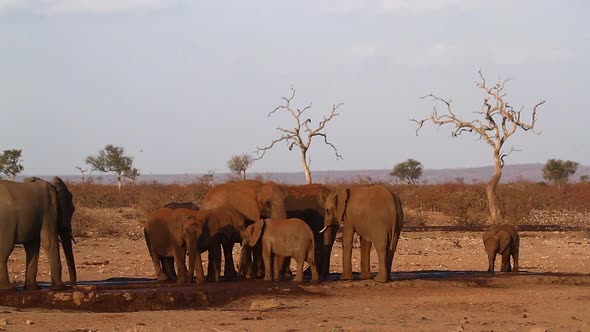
[273,224]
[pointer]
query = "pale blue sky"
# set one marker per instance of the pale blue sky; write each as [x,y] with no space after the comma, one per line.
[183,85]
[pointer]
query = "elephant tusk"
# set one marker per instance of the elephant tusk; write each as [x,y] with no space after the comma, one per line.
[323,229]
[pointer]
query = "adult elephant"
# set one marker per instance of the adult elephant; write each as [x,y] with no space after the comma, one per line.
[503,240]
[376,215]
[255,200]
[32,213]
[307,202]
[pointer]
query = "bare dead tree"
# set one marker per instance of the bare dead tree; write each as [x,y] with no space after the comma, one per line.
[498,122]
[302,135]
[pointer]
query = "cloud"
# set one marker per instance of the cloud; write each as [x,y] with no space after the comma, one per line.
[95,7]
[442,54]
[398,7]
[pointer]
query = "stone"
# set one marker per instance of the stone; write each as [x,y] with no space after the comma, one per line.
[265,305]
[4,321]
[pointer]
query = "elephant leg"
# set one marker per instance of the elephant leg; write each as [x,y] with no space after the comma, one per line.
[515,258]
[391,253]
[167,264]
[315,277]
[506,262]
[491,261]
[286,267]
[347,235]
[179,260]
[160,274]
[383,275]
[277,265]
[51,247]
[214,269]
[299,271]
[5,251]
[257,260]
[267,258]
[229,271]
[32,256]
[365,259]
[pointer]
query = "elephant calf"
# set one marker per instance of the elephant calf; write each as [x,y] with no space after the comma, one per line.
[168,234]
[503,240]
[283,238]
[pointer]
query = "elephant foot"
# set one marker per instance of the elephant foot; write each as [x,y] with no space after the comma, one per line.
[381,277]
[230,274]
[267,279]
[365,275]
[276,279]
[58,287]
[298,279]
[346,276]
[34,286]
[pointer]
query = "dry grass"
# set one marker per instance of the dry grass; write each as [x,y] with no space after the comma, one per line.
[452,203]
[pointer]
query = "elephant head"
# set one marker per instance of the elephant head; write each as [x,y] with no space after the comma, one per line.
[66,211]
[252,198]
[253,233]
[193,229]
[336,204]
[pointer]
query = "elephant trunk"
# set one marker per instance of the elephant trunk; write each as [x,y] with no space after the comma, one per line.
[324,260]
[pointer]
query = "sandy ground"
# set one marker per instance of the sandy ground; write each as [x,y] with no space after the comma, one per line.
[553,292]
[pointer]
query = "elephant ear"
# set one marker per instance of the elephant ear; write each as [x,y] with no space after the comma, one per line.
[255,232]
[264,200]
[342,197]
[245,200]
[503,241]
[66,205]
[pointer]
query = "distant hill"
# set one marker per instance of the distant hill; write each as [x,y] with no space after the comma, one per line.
[511,173]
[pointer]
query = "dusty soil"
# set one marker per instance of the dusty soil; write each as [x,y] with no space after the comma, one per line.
[438,287]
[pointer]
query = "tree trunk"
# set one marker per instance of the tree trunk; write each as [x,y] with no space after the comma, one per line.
[495,215]
[120,181]
[305,166]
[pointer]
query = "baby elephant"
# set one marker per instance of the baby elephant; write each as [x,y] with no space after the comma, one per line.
[503,240]
[283,238]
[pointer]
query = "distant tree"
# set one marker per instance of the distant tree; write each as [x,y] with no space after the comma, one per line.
[558,171]
[238,164]
[584,178]
[11,163]
[409,171]
[112,159]
[302,135]
[497,123]
[83,172]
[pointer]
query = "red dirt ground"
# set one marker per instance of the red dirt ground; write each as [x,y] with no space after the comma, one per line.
[552,294]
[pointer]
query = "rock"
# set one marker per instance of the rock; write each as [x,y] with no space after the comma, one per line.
[538,329]
[4,321]
[265,305]
[29,322]
[525,316]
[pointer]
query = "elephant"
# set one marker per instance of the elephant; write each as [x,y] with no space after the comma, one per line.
[166,235]
[255,200]
[182,205]
[35,213]
[373,212]
[503,240]
[174,232]
[299,244]
[307,202]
